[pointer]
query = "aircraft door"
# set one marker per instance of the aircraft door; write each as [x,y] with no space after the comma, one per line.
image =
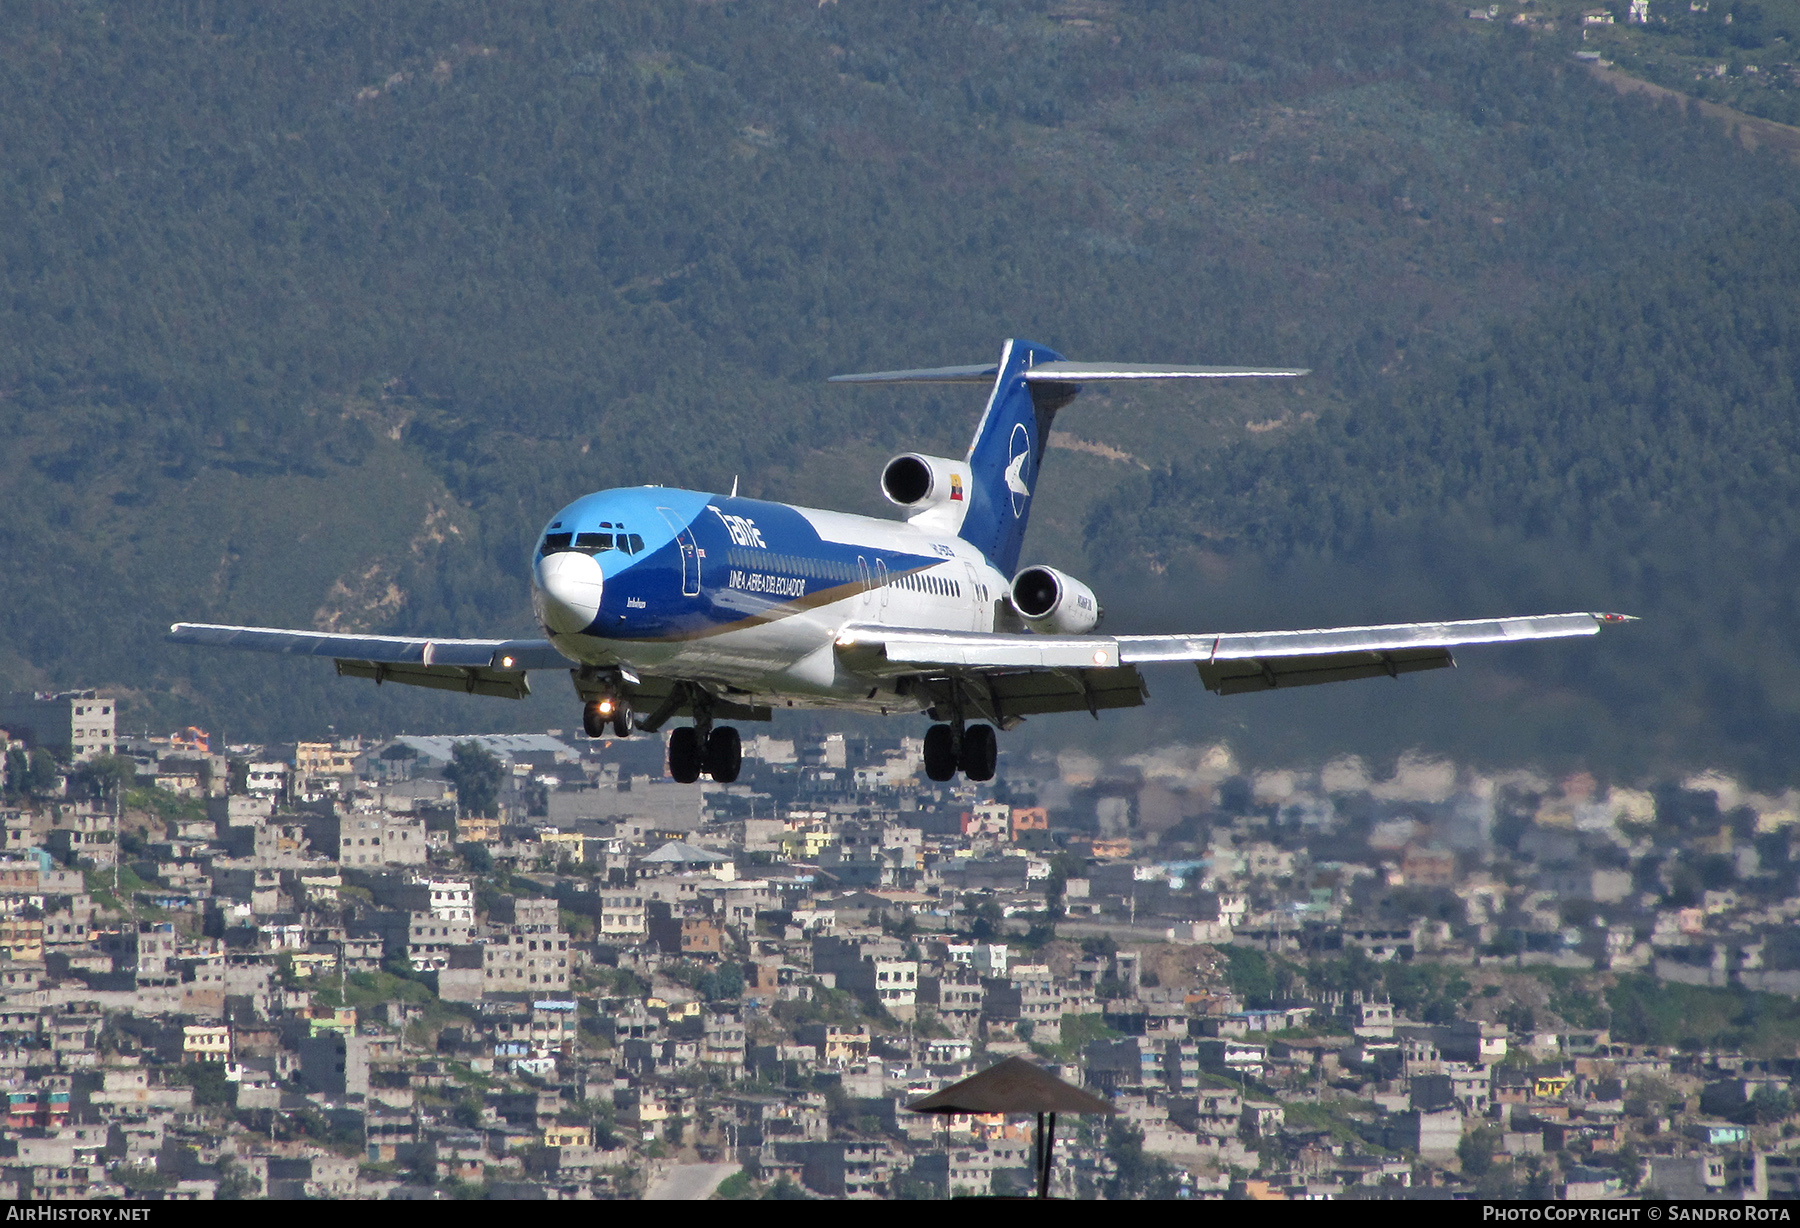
[979,618]
[881,583]
[867,597]
[690,553]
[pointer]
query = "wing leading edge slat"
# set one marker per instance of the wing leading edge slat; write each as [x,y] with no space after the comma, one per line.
[475,667]
[1245,645]
[384,649]
[1230,663]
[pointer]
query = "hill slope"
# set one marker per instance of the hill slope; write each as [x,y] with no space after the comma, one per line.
[1634,447]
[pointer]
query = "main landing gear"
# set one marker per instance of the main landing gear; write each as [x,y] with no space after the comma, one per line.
[720,754]
[975,757]
[597,714]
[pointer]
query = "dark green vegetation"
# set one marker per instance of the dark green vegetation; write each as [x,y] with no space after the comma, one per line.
[477,774]
[311,316]
[1633,448]
[1636,1008]
[1643,1010]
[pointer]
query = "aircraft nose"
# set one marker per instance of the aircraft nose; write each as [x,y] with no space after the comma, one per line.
[569,586]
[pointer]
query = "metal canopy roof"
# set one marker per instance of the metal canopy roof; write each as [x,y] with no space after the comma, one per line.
[1014,1086]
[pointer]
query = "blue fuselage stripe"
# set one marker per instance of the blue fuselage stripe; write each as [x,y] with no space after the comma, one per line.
[750,561]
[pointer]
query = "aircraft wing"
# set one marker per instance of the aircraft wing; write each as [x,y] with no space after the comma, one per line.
[1230,663]
[477,667]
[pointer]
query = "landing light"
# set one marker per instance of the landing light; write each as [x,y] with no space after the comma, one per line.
[606,707]
[506,662]
[1100,657]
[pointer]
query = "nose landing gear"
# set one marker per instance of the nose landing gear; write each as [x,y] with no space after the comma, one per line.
[597,714]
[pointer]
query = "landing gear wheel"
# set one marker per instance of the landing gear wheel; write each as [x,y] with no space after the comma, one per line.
[684,754]
[940,753]
[980,752]
[724,754]
[621,721]
[593,719]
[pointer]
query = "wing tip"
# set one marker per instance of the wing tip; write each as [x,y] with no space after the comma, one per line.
[1605,618]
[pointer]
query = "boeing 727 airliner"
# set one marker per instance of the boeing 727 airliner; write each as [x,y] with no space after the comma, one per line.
[665,603]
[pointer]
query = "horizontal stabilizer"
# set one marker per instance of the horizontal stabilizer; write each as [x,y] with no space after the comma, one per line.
[1086,372]
[981,373]
[1067,373]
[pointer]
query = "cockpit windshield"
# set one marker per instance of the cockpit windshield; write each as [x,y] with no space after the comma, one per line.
[609,537]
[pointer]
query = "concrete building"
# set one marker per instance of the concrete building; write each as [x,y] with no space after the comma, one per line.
[335,1063]
[79,722]
[622,917]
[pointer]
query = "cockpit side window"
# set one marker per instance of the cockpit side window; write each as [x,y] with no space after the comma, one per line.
[555,542]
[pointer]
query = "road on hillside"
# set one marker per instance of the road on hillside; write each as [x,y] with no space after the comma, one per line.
[689,1182]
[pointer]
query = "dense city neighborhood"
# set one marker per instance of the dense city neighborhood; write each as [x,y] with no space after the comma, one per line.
[534,967]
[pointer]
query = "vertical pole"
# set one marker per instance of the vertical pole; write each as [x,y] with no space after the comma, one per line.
[1037,1151]
[1049,1150]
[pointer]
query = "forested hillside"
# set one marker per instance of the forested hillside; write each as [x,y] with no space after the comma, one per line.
[309,314]
[1634,447]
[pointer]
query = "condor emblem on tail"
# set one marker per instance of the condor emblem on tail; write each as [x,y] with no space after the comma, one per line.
[1015,468]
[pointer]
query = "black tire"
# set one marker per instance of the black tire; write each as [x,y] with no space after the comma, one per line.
[940,753]
[684,755]
[621,722]
[724,754]
[592,723]
[980,752]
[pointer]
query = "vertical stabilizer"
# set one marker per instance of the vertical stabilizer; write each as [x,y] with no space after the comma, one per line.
[1007,452]
[1030,384]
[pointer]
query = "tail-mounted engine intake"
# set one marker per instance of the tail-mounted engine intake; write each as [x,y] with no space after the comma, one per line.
[933,491]
[1055,604]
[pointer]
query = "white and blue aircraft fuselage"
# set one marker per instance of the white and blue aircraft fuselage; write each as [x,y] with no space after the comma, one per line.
[665,603]
[751,594]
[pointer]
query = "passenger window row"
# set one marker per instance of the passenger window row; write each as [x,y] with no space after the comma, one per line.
[942,586]
[831,569]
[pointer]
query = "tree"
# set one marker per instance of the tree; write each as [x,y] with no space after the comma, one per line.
[18,767]
[1137,1173]
[104,776]
[476,773]
[1520,1018]
[1769,1104]
[42,773]
[725,983]
[236,1182]
[1476,1151]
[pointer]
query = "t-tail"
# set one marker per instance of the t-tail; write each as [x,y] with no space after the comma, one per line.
[1029,385]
